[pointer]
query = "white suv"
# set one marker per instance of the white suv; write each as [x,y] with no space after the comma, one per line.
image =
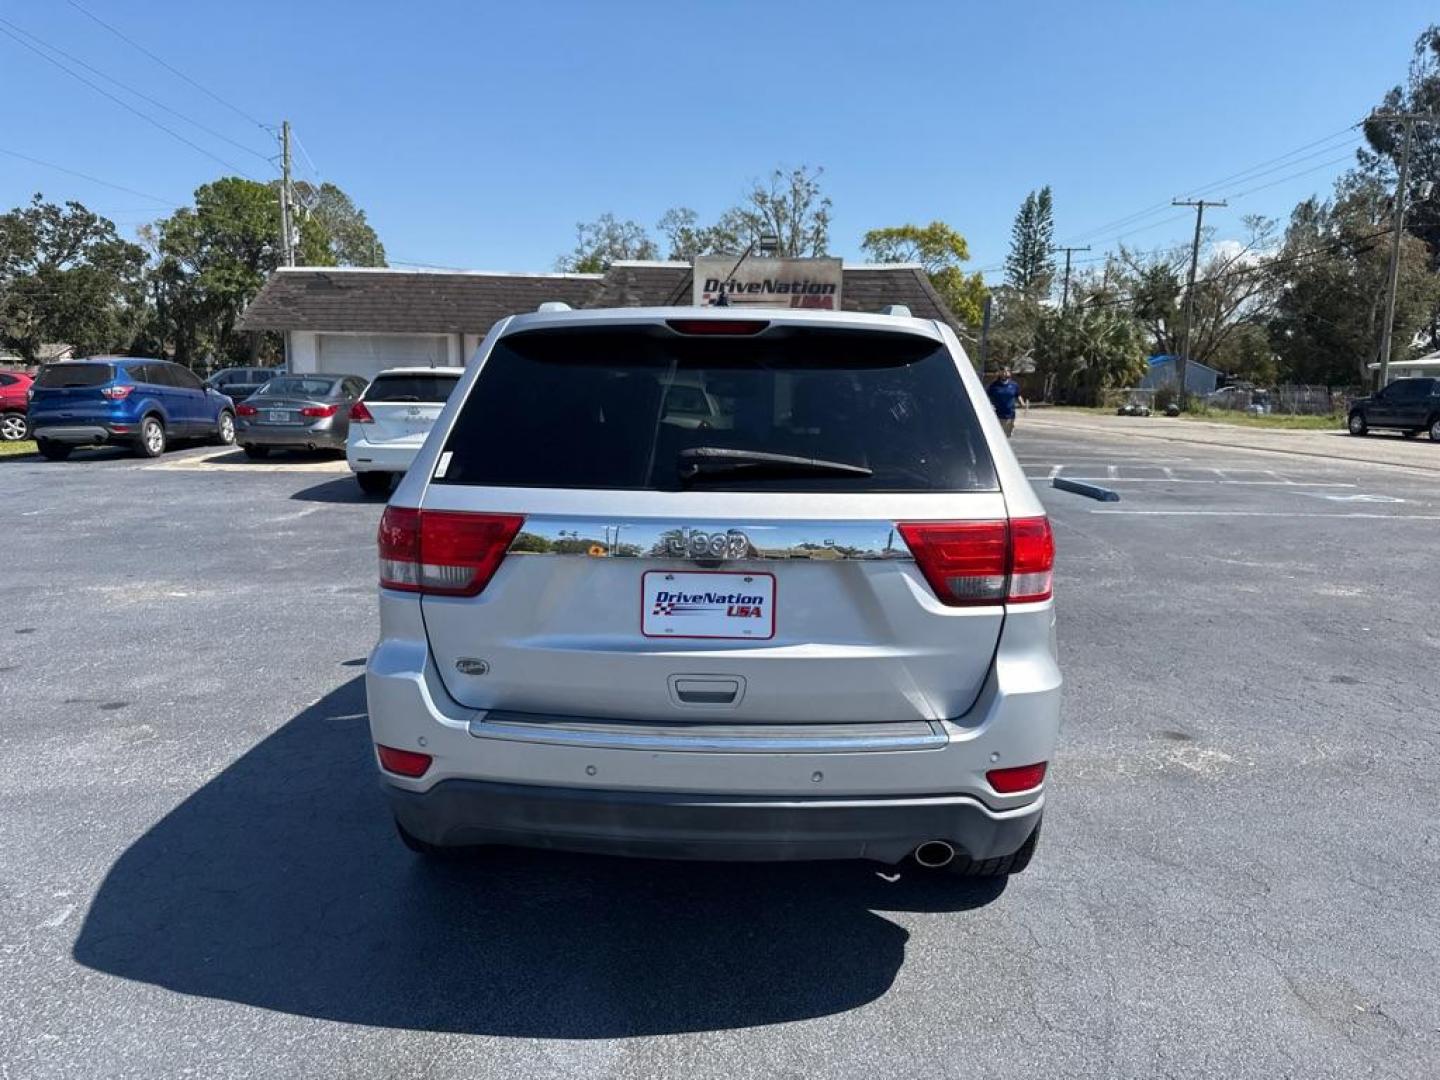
[389,423]
[814,623]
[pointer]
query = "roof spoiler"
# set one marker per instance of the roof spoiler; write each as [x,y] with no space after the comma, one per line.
[898,310]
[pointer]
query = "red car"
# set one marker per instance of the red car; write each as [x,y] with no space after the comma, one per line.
[14,401]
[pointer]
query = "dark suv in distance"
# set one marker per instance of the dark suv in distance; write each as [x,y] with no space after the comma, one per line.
[238,383]
[1408,405]
[126,401]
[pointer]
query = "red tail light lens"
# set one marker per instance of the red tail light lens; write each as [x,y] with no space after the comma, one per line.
[117,393]
[246,410]
[964,561]
[403,762]
[1032,560]
[443,552]
[1020,778]
[718,327]
[984,562]
[319,410]
[359,414]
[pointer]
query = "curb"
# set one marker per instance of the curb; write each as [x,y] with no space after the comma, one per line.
[1079,487]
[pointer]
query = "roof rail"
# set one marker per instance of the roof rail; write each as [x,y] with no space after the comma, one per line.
[553,305]
[898,310]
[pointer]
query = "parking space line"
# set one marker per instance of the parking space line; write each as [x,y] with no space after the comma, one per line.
[1270,513]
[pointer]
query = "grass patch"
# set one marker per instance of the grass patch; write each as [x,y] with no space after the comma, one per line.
[1273,420]
[15,449]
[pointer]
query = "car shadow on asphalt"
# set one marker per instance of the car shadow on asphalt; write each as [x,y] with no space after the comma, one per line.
[280,884]
[342,490]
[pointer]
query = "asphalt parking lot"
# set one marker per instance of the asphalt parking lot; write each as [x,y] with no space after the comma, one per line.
[1237,878]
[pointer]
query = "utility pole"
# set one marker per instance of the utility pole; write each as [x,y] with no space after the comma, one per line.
[1387,331]
[1065,289]
[287,247]
[1184,358]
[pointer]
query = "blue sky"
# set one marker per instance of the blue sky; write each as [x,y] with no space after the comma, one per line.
[476,134]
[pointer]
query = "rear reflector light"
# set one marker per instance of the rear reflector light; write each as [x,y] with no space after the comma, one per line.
[442,552]
[246,410]
[719,327]
[984,562]
[403,762]
[117,393]
[359,414]
[1020,778]
[319,410]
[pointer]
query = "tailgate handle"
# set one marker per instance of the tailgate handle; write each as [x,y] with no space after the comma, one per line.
[706,690]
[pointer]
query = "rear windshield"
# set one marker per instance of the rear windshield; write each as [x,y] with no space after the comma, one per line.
[796,409]
[419,387]
[76,375]
[294,386]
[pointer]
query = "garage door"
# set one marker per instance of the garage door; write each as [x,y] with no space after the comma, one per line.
[366,354]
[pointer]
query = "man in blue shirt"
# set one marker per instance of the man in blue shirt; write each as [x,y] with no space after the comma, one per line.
[1004,393]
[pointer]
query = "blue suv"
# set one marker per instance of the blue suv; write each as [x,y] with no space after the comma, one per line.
[126,401]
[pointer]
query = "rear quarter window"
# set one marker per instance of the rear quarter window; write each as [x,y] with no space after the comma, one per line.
[76,375]
[633,408]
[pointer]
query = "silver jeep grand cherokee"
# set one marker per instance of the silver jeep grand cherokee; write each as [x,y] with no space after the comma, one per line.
[721,585]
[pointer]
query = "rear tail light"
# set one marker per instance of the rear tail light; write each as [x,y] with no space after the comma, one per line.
[1032,560]
[403,762]
[116,393]
[246,410]
[359,414]
[984,562]
[442,552]
[319,410]
[718,327]
[1020,778]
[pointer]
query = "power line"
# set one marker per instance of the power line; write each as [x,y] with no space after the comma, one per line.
[124,104]
[1291,176]
[173,70]
[306,154]
[139,94]
[1248,173]
[87,176]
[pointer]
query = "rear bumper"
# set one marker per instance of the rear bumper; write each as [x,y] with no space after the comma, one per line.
[83,434]
[366,456]
[749,791]
[684,826]
[294,436]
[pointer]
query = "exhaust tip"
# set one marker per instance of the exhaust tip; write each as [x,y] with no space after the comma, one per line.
[934,854]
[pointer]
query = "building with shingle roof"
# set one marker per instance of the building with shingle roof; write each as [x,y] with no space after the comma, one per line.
[359,320]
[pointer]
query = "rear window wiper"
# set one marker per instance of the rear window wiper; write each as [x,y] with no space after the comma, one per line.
[700,461]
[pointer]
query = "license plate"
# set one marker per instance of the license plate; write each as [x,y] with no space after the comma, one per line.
[280,416]
[707,604]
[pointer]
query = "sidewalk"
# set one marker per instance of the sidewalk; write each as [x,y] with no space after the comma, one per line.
[1382,449]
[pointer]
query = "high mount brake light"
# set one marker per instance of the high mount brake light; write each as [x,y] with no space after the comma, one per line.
[984,562]
[442,552]
[359,414]
[718,327]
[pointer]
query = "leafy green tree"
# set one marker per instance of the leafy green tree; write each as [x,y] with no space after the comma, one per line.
[1335,262]
[1014,318]
[213,259]
[1087,349]
[940,250]
[1247,354]
[788,204]
[65,275]
[1235,282]
[606,240]
[1030,267]
[333,230]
